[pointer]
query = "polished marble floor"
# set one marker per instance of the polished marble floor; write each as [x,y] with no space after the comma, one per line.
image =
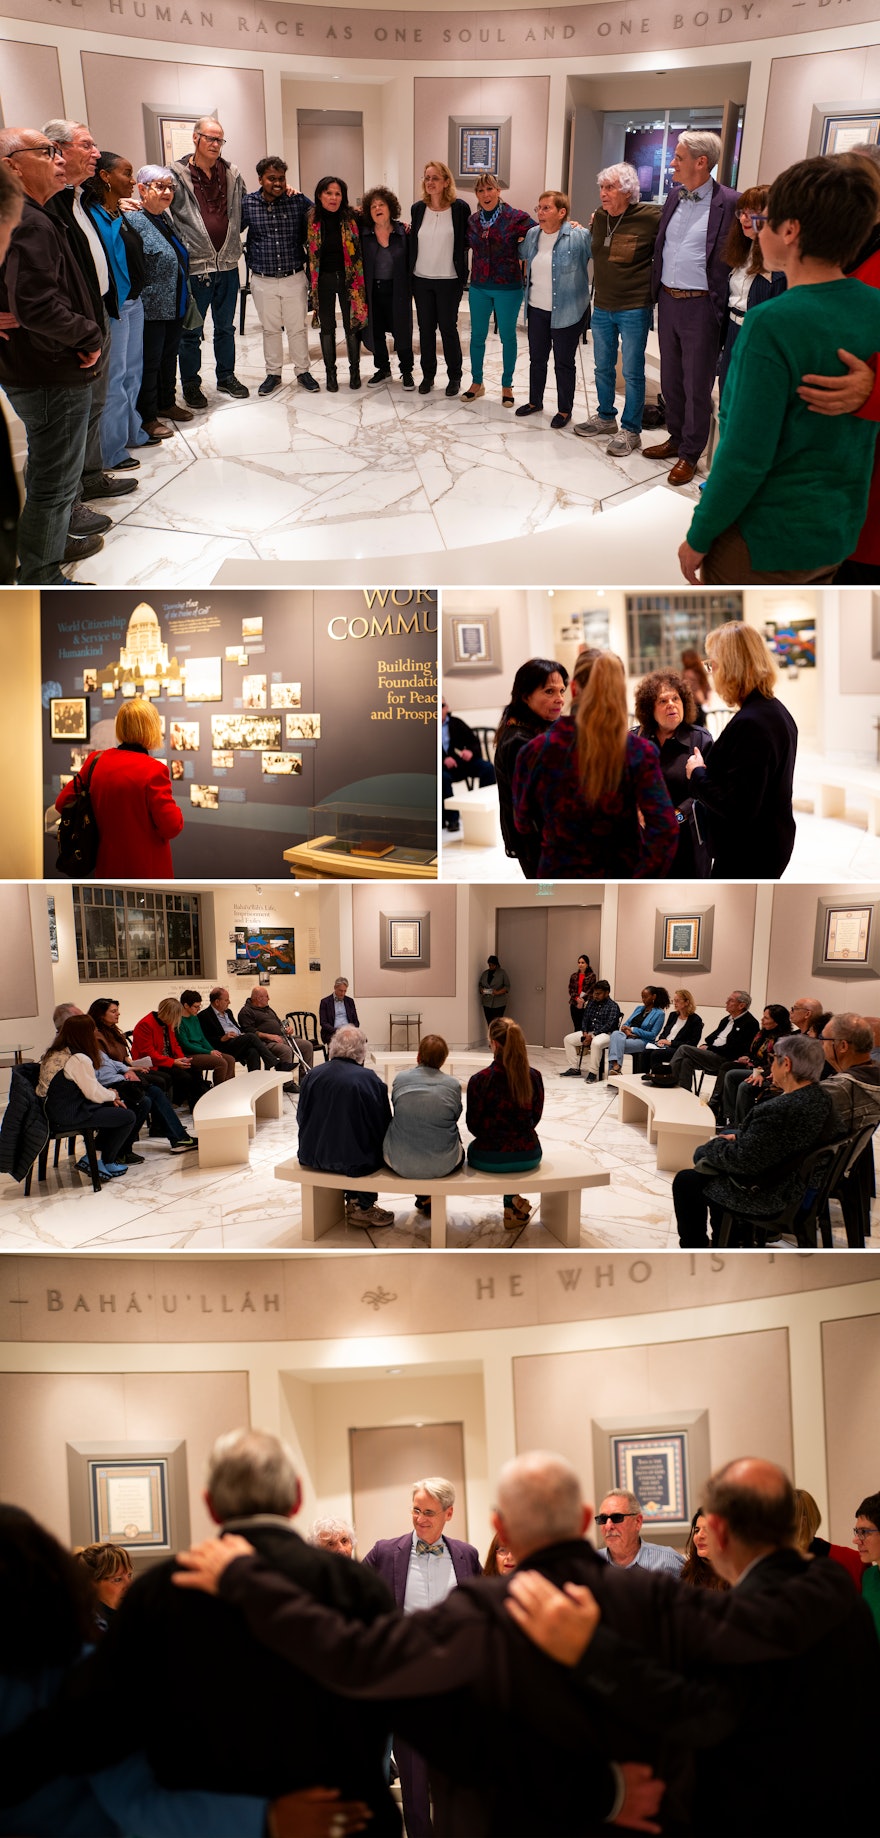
[170,1205]
[339,481]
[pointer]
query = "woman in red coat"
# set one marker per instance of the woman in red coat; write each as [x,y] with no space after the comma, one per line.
[134,806]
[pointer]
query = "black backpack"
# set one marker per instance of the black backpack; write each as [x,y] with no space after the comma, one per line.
[78,837]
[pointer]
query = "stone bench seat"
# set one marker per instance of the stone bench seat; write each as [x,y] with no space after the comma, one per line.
[459,1064]
[558,1185]
[478,810]
[676,1120]
[225,1119]
[838,788]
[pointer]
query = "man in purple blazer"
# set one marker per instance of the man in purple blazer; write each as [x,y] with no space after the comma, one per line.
[421,1569]
[336,1011]
[690,285]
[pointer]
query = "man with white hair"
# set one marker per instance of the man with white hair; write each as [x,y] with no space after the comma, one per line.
[334,1535]
[690,286]
[210,1706]
[421,1569]
[344,1112]
[620,1520]
[623,231]
[206,209]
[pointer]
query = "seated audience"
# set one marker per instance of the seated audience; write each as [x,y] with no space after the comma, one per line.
[684,1031]
[336,1011]
[334,1535]
[749,1078]
[620,1520]
[788,490]
[724,1045]
[854,1091]
[600,1018]
[809,1519]
[698,1572]
[224,1033]
[155,1038]
[759,1170]
[74,1100]
[109,1570]
[590,794]
[743,793]
[142,1091]
[504,1103]
[644,1025]
[256,1017]
[462,758]
[343,1118]
[581,984]
[536,701]
[866,1533]
[422,1137]
[803,1013]
[135,810]
[666,714]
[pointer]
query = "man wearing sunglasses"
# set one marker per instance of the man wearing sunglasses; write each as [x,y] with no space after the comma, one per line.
[620,1520]
[206,209]
[48,357]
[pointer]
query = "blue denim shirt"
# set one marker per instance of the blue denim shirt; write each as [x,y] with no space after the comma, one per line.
[571,273]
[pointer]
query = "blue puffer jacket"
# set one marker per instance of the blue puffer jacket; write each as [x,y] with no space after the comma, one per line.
[571,272]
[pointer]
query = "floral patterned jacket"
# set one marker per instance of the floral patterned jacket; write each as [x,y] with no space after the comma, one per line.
[354,267]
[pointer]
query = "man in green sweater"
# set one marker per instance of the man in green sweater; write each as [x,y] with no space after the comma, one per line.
[786,498]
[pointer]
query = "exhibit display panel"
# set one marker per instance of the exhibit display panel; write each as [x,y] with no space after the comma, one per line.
[285,717]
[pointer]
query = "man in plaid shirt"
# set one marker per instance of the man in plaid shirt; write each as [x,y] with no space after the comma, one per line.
[601,1017]
[276,221]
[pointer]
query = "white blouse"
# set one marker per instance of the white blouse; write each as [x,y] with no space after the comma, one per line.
[434,261]
[541,272]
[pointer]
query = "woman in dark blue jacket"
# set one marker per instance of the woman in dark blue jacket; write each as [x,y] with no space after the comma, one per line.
[387,284]
[745,787]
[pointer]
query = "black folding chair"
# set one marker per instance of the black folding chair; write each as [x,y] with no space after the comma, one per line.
[823,1168]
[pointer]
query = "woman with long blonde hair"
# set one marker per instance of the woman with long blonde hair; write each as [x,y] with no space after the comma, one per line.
[745,785]
[592,789]
[504,1103]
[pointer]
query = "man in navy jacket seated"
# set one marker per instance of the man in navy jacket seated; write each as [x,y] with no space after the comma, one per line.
[344,1112]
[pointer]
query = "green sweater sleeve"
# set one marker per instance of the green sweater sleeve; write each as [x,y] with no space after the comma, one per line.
[756,401]
[189,1033]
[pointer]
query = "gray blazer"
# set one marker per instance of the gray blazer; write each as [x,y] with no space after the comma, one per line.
[190,224]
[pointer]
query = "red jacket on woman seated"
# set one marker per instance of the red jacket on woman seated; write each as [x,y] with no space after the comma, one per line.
[135,811]
[152,1037]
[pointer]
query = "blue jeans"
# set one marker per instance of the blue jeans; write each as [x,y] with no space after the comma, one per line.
[218,294]
[505,302]
[56,421]
[121,425]
[632,329]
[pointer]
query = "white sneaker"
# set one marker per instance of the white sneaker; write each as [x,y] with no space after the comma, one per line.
[597,424]
[371,1215]
[624,442]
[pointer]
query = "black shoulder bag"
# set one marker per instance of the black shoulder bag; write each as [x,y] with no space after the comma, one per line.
[78,837]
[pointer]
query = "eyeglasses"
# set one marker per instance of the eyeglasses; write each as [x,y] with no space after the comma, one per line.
[159,185]
[864,1531]
[48,152]
[614,1518]
[213,140]
[757,220]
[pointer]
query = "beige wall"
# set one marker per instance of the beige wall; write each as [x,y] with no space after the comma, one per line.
[402,986]
[812,80]
[54,1408]
[851,677]
[734,906]
[791,953]
[116,88]
[20,843]
[524,99]
[741,1380]
[851,1359]
[30,84]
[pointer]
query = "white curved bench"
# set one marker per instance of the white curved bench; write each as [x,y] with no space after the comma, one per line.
[675,1119]
[225,1119]
[558,1183]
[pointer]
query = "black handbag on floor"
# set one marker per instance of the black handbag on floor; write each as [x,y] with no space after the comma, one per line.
[78,837]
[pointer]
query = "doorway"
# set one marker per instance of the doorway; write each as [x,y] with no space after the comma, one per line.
[539,948]
[331,141]
[384,1464]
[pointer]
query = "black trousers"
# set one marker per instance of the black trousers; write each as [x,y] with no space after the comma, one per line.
[382,327]
[692,1210]
[562,340]
[159,381]
[249,1051]
[331,287]
[437,304]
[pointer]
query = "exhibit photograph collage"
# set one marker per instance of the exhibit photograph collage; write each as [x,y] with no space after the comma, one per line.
[422,623]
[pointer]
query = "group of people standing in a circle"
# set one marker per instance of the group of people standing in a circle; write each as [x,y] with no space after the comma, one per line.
[595,794]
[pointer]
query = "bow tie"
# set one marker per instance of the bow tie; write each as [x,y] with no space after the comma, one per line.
[694,196]
[429,1550]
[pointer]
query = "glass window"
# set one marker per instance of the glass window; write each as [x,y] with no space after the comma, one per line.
[124,935]
[661,626]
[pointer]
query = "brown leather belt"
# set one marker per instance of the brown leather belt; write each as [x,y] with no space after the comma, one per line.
[686,293]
